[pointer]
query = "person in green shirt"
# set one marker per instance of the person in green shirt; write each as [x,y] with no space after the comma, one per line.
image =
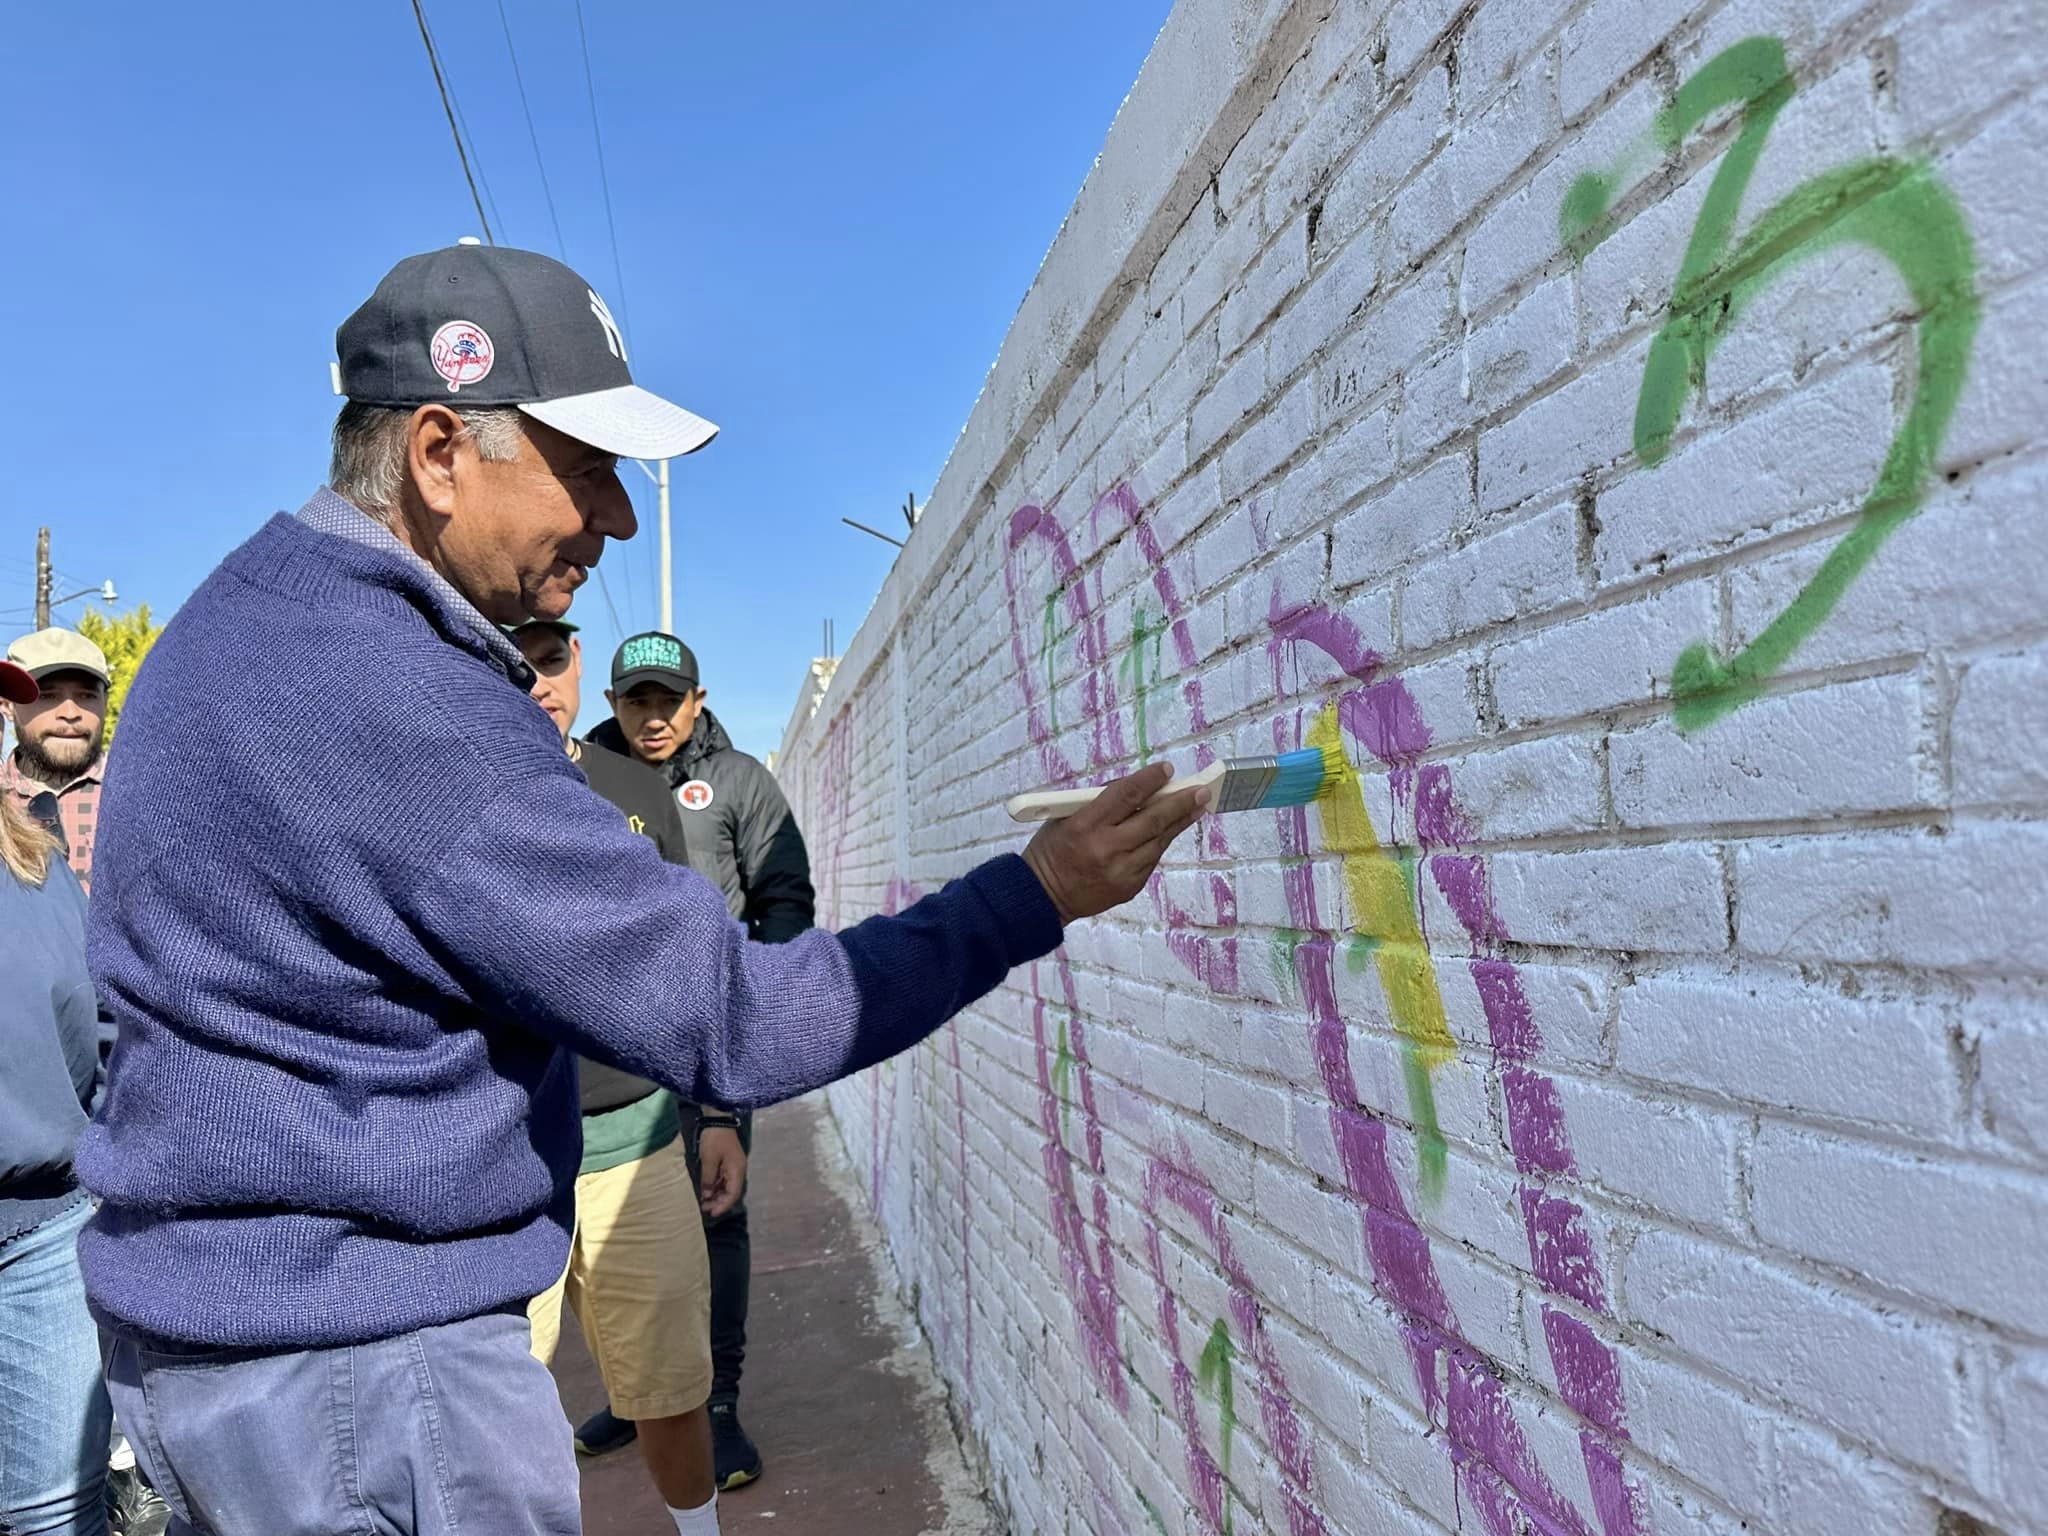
[638,1277]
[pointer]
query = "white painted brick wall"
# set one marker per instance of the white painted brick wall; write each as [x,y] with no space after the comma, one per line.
[1644,1129]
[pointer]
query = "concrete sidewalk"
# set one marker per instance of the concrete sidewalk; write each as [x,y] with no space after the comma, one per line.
[838,1393]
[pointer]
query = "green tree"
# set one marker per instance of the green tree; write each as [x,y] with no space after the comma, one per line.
[126,639]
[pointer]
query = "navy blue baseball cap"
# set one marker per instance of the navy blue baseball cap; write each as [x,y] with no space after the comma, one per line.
[490,325]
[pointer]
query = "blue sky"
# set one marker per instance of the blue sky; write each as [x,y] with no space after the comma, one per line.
[827,215]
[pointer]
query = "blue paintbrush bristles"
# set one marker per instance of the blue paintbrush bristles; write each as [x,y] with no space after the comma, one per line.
[1303,776]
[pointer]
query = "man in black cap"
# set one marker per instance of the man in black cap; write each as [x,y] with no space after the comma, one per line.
[350,965]
[742,837]
[638,1280]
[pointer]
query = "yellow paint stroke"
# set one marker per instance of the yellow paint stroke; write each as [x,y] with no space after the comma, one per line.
[1385,915]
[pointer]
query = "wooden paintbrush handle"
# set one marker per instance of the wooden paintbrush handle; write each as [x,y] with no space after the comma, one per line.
[1050,804]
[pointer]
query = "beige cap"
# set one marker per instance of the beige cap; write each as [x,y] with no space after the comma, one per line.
[58,650]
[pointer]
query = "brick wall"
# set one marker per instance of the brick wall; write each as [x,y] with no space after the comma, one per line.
[1623,1107]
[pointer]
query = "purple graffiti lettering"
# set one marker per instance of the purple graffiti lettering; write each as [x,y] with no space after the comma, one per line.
[1587,1372]
[1384,718]
[1171,1180]
[1489,1450]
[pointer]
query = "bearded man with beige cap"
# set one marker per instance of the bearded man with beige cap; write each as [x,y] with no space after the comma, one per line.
[60,747]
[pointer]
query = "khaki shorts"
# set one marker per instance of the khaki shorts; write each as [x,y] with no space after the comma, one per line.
[640,1284]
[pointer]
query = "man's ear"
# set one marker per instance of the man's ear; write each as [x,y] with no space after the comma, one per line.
[702,695]
[612,699]
[431,441]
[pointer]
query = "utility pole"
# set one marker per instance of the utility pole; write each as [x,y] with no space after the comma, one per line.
[668,590]
[46,577]
[668,606]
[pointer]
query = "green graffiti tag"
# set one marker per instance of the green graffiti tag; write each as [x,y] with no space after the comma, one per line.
[1062,1076]
[1132,669]
[1214,1379]
[1152,1512]
[1362,954]
[1285,942]
[1359,950]
[1894,207]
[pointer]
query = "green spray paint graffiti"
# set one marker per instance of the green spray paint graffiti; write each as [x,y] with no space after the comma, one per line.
[1152,1512]
[1145,633]
[1285,942]
[1062,1075]
[1214,1379]
[1894,207]
[1361,956]
[1132,670]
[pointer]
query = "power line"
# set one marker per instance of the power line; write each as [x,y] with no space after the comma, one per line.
[627,570]
[603,180]
[483,179]
[448,106]
[533,135]
[612,234]
[604,588]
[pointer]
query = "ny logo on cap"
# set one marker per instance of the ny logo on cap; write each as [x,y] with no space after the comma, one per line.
[612,337]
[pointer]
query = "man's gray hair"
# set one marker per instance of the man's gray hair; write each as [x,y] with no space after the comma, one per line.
[370,449]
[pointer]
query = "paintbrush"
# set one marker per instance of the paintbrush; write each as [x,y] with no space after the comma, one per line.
[1241,784]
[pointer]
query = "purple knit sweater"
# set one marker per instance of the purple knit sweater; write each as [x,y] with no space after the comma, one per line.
[353,908]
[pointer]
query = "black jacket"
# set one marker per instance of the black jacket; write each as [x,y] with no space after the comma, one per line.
[642,798]
[743,837]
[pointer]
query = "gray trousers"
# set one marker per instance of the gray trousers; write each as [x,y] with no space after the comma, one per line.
[447,1430]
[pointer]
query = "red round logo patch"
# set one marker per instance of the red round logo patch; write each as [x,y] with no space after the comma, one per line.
[462,353]
[694,795]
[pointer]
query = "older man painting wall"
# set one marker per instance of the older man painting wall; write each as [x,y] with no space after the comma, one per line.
[352,936]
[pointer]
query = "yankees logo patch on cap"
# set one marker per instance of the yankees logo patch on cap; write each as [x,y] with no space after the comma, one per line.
[498,326]
[462,353]
[695,795]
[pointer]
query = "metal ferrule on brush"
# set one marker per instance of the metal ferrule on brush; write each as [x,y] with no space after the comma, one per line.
[1245,783]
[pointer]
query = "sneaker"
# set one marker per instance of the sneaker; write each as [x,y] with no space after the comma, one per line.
[732,1453]
[133,1507]
[603,1432]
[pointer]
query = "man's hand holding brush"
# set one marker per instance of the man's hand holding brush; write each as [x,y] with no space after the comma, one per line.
[1102,855]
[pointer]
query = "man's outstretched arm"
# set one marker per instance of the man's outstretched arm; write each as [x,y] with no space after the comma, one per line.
[556,917]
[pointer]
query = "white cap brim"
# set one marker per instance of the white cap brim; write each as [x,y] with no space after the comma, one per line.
[632,422]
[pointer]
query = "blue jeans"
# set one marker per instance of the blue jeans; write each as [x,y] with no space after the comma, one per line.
[53,1408]
[446,1430]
